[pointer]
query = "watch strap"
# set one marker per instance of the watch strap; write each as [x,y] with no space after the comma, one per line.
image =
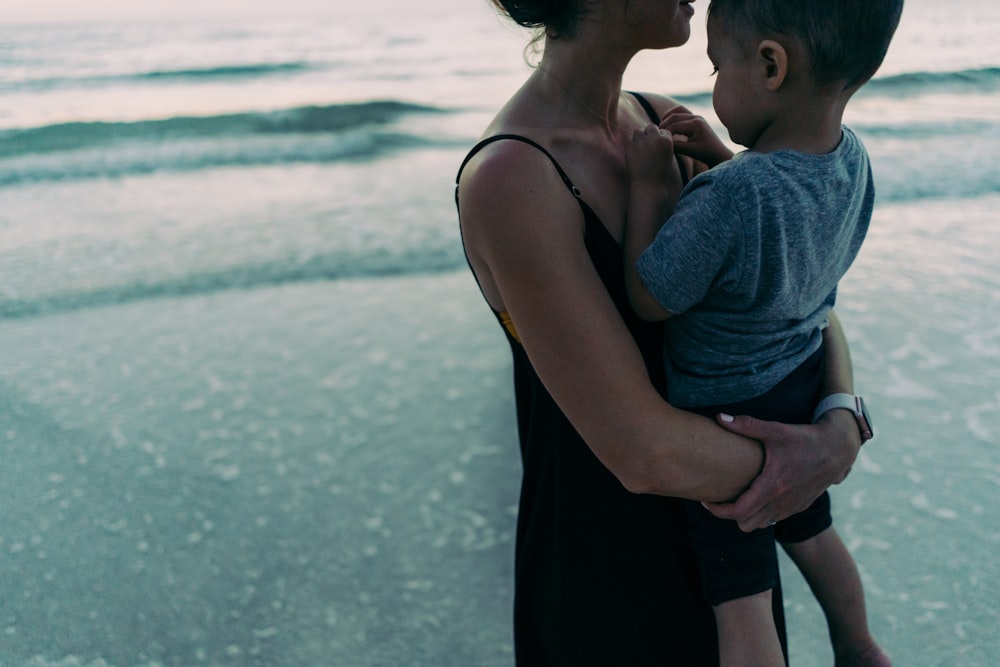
[834,401]
[849,402]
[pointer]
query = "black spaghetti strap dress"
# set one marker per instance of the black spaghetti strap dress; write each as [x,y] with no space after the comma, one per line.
[603,577]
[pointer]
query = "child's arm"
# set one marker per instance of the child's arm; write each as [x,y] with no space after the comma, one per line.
[839,378]
[694,137]
[654,188]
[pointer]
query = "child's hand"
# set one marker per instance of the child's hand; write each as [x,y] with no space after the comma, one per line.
[693,136]
[651,162]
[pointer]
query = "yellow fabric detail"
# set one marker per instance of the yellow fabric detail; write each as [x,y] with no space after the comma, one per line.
[508,324]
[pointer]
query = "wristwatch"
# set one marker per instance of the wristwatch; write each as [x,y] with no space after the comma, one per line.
[856,405]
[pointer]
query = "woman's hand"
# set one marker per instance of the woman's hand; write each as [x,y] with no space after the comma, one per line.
[801,461]
[694,137]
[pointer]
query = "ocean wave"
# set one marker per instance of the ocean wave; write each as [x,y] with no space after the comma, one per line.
[223,72]
[299,120]
[703,99]
[194,155]
[426,259]
[978,81]
[957,127]
[971,81]
[304,134]
[214,74]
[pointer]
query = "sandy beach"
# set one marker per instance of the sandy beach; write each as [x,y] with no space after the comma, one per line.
[302,475]
[326,474]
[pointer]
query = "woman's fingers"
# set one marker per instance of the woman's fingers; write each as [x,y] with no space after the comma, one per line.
[794,474]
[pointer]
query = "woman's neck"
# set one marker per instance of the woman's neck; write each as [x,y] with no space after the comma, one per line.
[579,85]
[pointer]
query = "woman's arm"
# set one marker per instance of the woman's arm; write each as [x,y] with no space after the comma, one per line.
[524,233]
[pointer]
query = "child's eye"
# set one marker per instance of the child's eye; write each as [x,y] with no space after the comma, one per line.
[715,70]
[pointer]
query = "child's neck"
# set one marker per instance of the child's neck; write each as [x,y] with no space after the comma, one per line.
[807,125]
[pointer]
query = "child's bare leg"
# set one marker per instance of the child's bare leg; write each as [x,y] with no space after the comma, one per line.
[833,577]
[747,635]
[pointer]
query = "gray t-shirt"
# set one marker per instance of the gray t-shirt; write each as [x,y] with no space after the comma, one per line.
[749,265]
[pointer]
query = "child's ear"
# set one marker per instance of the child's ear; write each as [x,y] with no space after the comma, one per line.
[774,62]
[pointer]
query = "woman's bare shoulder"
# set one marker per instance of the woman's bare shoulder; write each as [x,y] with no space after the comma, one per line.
[500,159]
[506,169]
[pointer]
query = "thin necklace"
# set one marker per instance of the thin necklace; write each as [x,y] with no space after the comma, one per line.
[573,97]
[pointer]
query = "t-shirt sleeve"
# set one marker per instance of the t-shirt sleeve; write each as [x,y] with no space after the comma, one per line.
[698,250]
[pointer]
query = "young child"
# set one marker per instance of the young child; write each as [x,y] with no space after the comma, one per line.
[746,269]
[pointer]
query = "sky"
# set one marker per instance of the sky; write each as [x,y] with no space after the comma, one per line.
[20,11]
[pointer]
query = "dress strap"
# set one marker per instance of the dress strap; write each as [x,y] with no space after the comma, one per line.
[647,106]
[516,137]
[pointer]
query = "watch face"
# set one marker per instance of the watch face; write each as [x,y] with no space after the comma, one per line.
[867,428]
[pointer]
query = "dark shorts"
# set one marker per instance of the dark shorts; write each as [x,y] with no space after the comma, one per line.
[734,564]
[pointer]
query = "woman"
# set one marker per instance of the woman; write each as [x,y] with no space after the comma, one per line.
[603,574]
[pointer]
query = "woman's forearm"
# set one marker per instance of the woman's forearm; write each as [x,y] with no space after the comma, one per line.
[681,454]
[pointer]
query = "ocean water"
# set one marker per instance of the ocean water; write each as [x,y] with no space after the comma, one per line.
[254,412]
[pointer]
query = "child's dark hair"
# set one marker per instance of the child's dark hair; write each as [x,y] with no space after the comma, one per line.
[556,17]
[846,39]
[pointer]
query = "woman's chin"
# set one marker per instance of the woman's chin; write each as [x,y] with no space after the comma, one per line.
[680,38]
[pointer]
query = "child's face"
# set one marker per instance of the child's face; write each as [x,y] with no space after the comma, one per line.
[735,95]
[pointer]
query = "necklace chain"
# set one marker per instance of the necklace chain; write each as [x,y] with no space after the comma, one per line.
[578,101]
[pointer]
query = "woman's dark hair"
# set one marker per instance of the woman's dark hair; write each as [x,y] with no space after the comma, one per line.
[846,40]
[558,18]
